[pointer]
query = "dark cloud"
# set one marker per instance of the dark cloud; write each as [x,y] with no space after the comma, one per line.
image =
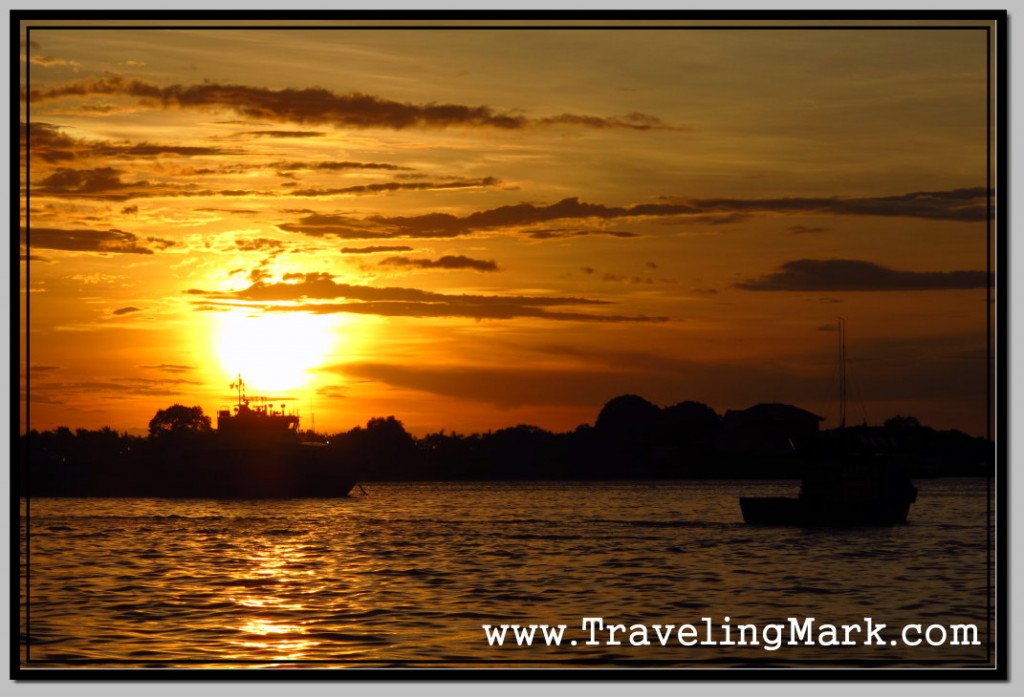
[170,368]
[104,241]
[316,105]
[115,388]
[958,204]
[147,150]
[855,275]
[375,250]
[635,121]
[101,183]
[130,210]
[259,244]
[564,234]
[126,310]
[333,166]
[401,302]
[284,134]
[398,186]
[236,211]
[48,142]
[503,387]
[161,243]
[446,262]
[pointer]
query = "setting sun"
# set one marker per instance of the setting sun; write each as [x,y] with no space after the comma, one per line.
[273,352]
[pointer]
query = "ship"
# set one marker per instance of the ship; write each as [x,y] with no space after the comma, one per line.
[851,479]
[258,452]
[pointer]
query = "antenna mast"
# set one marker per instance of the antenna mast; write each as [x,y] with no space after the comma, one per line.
[842,373]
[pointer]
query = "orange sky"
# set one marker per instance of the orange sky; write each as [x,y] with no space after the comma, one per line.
[472,229]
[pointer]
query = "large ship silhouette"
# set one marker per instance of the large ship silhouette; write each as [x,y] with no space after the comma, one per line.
[256,452]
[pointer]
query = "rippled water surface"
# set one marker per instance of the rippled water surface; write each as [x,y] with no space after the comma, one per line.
[406,576]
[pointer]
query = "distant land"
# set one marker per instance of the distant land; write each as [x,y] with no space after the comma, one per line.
[631,439]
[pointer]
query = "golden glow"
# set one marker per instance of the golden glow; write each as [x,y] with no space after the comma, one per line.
[273,352]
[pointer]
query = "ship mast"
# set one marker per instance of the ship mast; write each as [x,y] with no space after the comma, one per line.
[842,373]
[239,385]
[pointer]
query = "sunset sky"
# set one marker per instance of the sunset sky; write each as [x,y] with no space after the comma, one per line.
[472,229]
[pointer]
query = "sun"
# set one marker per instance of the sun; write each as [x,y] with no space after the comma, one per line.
[274,352]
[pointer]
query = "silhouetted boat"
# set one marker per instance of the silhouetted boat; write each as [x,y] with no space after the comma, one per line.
[258,453]
[852,480]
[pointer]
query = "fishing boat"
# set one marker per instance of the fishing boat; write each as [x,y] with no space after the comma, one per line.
[851,479]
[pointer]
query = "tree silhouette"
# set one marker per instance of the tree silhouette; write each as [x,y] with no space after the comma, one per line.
[178,419]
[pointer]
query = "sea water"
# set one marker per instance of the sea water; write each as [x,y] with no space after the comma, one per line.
[426,575]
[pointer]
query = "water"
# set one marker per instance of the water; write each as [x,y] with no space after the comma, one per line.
[407,575]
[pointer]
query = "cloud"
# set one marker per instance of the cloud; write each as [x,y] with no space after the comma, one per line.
[503,387]
[805,229]
[855,275]
[304,294]
[501,310]
[446,262]
[126,310]
[398,186]
[635,121]
[114,388]
[161,243]
[333,166]
[564,234]
[101,183]
[259,244]
[103,241]
[957,204]
[376,249]
[284,134]
[49,143]
[170,368]
[316,105]
[53,61]
[147,150]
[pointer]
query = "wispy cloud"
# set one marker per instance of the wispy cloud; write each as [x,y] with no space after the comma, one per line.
[170,368]
[284,134]
[49,143]
[375,249]
[957,204]
[316,105]
[309,290]
[333,166]
[856,275]
[385,187]
[449,262]
[103,241]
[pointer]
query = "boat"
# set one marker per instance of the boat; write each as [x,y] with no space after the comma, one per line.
[258,452]
[851,479]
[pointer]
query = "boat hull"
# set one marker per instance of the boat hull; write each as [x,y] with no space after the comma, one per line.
[227,470]
[824,513]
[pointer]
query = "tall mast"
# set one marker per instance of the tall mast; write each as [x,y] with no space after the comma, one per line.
[842,373]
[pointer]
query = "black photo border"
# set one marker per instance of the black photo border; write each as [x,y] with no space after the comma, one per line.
[996,665]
